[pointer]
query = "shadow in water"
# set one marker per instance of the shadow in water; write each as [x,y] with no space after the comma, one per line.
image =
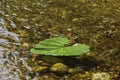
[86,63]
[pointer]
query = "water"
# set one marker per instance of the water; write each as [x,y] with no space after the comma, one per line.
[8,55]
[23,23]
[10,60]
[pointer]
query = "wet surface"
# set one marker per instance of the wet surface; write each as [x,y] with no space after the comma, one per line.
[24,23]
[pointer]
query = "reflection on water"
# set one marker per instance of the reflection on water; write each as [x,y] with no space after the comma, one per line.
[8,56]
[10,61]
[2,22]
[13,58]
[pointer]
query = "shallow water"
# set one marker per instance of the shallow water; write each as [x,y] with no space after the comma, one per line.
[23,23]
[12,64]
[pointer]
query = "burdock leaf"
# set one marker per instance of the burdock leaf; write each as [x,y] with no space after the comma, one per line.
[56,47]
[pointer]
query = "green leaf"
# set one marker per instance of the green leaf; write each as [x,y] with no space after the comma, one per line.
[55,47]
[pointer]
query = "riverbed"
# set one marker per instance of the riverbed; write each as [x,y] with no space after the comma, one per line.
[23,23]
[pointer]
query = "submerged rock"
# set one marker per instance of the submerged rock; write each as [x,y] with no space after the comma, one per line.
[59,68]
[75,70]
[81,76]
[101,76]
[49,76]
[40,68]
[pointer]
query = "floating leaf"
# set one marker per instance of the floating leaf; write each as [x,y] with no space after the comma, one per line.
[56,47]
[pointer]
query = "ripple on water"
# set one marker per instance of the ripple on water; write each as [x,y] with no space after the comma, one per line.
[8,68]
[9,56]
[6,34]
[2,22]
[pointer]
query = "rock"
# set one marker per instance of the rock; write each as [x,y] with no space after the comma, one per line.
[40,68]
[101,76]
[81,76]
[59,68]
[75,70]
[48,76]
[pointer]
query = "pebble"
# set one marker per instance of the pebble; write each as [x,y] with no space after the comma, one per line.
[40,68]
[75,70]
[101,76]
[59,68]
[49,76]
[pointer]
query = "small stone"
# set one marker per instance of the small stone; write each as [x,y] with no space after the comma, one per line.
[48,76]
[25,45]
[69,29]
[59,67]
[101,76]
[74,70]
[95,5]
[81,76]
[40,68]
